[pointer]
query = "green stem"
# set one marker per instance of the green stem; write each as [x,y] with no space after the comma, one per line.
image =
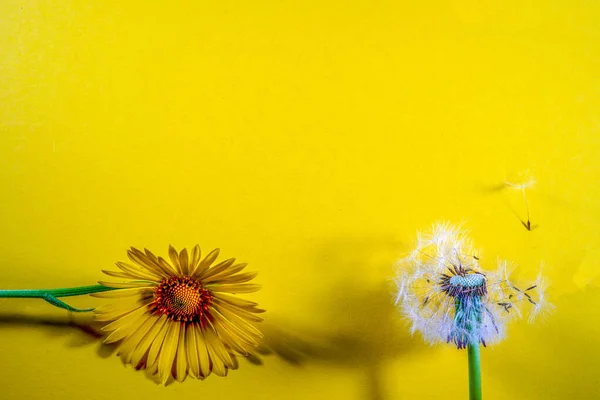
[474,372]
[52,295]
[468,318]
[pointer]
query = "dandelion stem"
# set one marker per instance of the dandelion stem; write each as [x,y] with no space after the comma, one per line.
[52,295]
[467,322]
[474,372]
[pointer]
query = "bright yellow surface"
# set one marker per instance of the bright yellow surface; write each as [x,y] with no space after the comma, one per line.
[310,139]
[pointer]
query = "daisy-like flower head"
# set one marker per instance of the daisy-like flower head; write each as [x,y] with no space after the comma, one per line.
[448,297]
[178,318]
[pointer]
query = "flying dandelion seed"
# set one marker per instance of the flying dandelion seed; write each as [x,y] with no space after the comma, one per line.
[448,297]
[521,182]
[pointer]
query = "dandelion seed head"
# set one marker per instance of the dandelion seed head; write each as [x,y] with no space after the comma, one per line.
[446,296]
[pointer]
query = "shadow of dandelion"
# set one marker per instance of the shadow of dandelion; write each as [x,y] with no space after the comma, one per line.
[365,334]
[364,331]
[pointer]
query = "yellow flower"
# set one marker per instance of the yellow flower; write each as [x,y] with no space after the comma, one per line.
[176,318]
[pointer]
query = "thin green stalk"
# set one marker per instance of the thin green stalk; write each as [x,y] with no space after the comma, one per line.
[474,372]
[468,318]
[52,295]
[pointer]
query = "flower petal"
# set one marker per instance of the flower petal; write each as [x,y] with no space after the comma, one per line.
[112,294]
[218,346]
[239,322]
[239,311]
[146,260]
[220,267]
[235,330]
[127,285]
[168,267]
[234,269]
[112,312]
[203,356]
[233,339]
[158,342]
[196,253]
[168,351]
[174,257]
[137,273]
[236,301]
[125,325]
[118,274]
[235,288]
[166,272]
[208,260]
[181,362]
[239,278]
[129,344]
[183,261]
[192,351]
[218,366]
[147,340]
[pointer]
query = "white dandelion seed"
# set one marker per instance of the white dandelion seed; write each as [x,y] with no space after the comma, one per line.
[448,297]
[521,182]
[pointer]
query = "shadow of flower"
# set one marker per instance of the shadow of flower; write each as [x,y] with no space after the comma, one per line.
[80,329]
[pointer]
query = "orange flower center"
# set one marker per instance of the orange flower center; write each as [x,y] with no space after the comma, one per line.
[182,299]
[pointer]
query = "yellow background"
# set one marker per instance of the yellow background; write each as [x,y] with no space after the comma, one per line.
[311,139]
